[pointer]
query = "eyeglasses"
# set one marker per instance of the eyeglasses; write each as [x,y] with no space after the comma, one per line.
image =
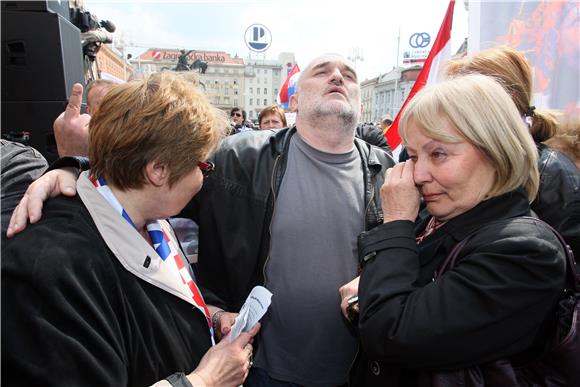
[236,114]
[206,167]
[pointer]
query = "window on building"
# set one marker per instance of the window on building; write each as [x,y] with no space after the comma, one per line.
[251,80]
[236,102]
[258,101]
[258,81]
[265,91]
[265,102]
[235,81]
[258,90]
[226,91]
[235,91]
[275,92]
[251,101]
[257,71]
[251,90]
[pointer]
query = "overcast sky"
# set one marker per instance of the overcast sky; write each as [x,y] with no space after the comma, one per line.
[305,27]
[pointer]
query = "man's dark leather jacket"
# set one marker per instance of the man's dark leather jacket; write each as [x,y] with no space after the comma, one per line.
[235,206]
[558,200]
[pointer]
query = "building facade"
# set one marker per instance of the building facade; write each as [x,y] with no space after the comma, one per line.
[228,81]
[112,65]
[367,90]
[392,89]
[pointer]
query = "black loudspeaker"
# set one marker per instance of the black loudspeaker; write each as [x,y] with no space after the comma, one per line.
[41,60]
[57,6]
[33,123]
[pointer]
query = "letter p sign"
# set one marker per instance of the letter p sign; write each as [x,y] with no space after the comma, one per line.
[258,37]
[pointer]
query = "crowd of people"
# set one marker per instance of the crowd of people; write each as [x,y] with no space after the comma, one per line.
[444,269]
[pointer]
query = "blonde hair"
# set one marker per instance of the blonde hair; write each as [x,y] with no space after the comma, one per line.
[163,117]
[513,71]
[484,115]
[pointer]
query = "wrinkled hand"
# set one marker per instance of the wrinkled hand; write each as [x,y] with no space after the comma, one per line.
[400,198]
[346,292]
[51,184]
[224,324]
[227,363]
[71,128]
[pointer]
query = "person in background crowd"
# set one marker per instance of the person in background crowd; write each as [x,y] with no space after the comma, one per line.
[567,138]
[373,135]
[272,117]
[475,166]
[558,199]
[238,120]
[71,128]
[96,91]
[386,122]
[20,166]
[98,292]
[274,196]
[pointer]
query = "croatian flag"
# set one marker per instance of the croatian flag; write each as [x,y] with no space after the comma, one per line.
[289,87]
[440,52]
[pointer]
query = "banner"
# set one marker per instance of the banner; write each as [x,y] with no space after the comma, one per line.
[547,32]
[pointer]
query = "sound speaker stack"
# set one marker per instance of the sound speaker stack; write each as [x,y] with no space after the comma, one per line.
[41,60]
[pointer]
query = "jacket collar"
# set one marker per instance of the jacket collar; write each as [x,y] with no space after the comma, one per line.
[506,206]
[281,141]
[128,246]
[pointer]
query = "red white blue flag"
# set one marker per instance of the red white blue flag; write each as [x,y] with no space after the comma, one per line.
[289,87]
[440,52]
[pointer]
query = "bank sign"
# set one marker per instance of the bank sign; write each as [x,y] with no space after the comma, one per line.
[419,47]
[258,37]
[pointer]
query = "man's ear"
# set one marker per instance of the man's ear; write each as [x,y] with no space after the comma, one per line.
[157,173]
[294,102]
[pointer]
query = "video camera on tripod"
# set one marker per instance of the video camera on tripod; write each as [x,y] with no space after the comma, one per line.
[93,32]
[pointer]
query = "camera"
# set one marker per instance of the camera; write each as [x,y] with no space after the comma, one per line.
[93,32]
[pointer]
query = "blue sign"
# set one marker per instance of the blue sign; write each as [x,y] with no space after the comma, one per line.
[258,37]
[419,40]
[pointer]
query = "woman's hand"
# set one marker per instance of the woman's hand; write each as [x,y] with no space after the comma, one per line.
[227,363]
[347,292]
[51,184]
[400,198]
[224,324]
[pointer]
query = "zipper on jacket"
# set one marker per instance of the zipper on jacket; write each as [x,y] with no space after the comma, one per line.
[371,199]
[273,190]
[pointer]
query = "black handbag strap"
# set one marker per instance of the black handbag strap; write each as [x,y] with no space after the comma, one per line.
[573,281]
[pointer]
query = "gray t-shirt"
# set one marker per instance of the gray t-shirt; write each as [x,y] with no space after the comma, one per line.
[317,217]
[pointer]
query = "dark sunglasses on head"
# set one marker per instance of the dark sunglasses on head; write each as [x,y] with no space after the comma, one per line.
[206,167]
[236,114]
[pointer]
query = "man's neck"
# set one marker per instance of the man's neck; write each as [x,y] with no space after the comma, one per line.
[328,134]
